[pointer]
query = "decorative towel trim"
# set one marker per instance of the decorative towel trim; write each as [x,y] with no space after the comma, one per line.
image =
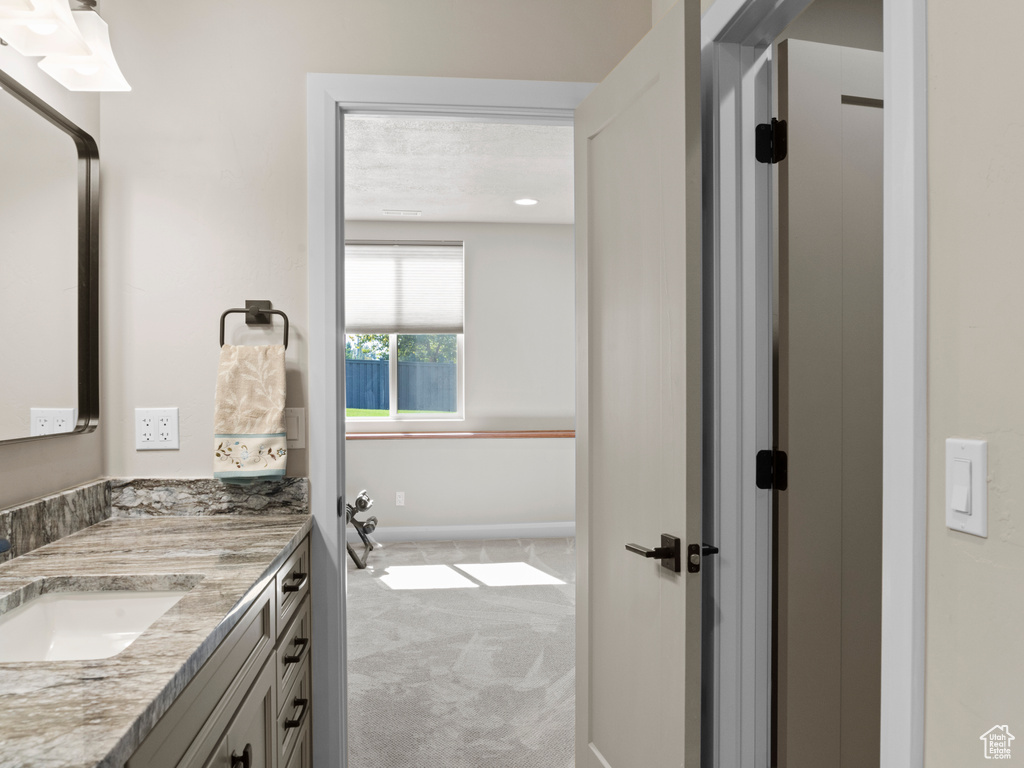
[250,455]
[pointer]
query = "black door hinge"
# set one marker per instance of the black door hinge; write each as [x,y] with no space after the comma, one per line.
[772,470]
[771,141]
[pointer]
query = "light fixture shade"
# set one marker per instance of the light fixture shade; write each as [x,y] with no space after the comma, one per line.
[97,71]
[48,28]
[16,5]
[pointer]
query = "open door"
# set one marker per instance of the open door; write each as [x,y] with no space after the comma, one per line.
[638,303]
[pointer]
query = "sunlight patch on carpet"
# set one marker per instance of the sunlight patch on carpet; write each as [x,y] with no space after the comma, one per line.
[507,574]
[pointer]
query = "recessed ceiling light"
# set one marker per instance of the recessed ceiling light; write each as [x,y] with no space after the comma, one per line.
[526,201]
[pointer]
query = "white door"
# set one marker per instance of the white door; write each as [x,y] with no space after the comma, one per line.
[830,407]
[638,303]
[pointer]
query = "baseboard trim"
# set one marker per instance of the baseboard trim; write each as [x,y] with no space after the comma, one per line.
[472,532]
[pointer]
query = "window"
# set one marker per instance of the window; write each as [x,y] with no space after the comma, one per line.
[404,324]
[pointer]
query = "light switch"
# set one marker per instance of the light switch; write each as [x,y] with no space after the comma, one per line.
[967,486]
[295,426]
[962,486]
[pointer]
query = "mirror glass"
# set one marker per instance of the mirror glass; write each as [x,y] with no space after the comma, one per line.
[40,269]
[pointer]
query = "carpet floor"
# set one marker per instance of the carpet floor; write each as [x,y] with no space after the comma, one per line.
[469,667]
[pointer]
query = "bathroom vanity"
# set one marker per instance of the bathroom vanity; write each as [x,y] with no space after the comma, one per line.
[248,707]
[221,680]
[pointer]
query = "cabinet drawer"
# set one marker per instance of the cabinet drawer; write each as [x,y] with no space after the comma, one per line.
[293,583]
[302,755]
[196,720]
[294,648]
[294,715]
[250,737]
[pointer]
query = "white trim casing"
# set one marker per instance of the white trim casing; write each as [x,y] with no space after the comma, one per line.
[326,425]
[904,389]
[738,346]
[733,31]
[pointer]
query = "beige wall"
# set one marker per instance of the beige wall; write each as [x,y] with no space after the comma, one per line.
[975,667]
[852,23]
[519,285]
[519,375]
[205,166]
[204,180]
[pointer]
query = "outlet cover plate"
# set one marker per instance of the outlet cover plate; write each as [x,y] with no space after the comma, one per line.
[40,421]
[156,429]
[52,421]
[64,420]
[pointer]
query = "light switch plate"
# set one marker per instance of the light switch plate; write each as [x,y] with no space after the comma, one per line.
[967,486]
[295,426]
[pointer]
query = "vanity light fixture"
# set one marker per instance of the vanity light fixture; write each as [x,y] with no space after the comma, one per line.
[525,201]
[96,71]
[16,5]
[46,27]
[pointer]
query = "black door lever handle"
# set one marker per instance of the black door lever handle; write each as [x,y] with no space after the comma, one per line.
[670,552]
[658,553]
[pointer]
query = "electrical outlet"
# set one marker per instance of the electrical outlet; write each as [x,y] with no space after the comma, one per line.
[156,429]
[52,421]
[399,498]
[64,419]
[40,421]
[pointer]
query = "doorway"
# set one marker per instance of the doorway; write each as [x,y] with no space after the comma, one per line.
[828,388]
[736,100]
[330,97]
[460,621]
[736,64]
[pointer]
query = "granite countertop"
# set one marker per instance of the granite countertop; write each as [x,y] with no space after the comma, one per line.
[81,714]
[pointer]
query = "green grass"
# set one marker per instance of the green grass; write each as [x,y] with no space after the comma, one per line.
[364,412]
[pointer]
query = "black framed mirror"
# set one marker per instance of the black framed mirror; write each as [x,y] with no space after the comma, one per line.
[49,270]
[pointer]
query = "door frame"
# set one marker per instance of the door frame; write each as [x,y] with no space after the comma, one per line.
[736,95]
[328,98]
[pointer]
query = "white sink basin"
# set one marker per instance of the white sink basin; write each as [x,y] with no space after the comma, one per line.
[76,625]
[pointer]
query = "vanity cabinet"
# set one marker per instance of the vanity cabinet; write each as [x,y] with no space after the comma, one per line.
[249,704]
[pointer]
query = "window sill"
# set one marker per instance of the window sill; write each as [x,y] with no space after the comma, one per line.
[494,435]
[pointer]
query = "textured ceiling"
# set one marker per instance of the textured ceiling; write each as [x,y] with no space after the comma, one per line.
[457,170]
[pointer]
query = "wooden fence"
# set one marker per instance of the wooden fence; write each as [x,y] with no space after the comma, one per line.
[421,386]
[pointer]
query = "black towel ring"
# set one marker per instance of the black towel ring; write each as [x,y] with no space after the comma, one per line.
[256,313]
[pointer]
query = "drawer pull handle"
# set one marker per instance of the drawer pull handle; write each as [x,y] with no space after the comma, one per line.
[304,704]
[244,760]
[301,643]
[300,578]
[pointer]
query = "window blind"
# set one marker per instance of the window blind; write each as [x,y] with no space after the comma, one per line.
[403,287]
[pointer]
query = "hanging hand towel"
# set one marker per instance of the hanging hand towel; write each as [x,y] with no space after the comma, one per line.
[248,421]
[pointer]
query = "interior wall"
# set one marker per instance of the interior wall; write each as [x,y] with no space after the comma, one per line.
[519,344]
[974,668]
[205,168]
[519,375]
[465,482]
[37,468]
[851,23]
